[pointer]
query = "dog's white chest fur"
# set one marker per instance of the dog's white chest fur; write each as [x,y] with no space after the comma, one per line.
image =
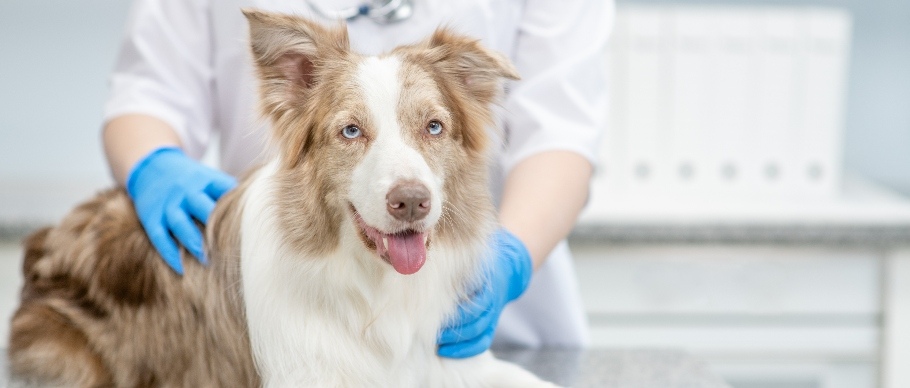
[342,320]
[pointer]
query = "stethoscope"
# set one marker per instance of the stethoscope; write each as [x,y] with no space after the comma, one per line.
[382,11]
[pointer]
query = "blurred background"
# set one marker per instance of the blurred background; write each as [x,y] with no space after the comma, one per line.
[750,207]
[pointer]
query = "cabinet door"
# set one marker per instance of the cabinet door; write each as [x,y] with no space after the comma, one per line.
[757,314]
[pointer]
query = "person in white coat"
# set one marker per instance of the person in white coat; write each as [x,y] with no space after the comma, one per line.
[183,80]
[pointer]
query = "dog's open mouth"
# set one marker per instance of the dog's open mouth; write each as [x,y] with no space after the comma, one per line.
[406,250]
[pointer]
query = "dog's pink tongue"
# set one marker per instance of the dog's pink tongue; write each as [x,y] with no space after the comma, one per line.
[407,252]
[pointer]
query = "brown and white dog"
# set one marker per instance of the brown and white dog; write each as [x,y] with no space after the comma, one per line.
[333,265]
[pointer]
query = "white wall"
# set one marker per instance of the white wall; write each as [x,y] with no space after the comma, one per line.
[55,56]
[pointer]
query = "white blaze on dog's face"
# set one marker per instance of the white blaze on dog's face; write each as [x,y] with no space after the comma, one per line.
[395,193]
[395,143]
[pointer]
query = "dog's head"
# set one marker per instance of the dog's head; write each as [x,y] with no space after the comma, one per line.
[395,143]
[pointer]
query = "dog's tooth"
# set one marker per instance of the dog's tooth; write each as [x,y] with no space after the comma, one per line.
[425,239]
[385,242]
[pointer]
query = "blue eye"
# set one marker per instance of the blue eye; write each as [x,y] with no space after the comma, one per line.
[434,127]
[351,132]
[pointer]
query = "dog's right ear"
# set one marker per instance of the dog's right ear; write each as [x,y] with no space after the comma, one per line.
[288,51]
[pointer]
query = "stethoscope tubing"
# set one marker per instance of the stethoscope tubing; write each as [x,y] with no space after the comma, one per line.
[391,12]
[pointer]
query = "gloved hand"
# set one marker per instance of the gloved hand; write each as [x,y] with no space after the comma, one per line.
[507,277]
[168,190]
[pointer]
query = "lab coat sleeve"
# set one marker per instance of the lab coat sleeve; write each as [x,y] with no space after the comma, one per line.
[164,69]
[560,103]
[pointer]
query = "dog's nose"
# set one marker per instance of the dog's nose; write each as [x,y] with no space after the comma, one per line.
[408,200]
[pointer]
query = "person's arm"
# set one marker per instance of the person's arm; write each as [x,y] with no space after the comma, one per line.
[159,121]
[555,185]
[161,90]
[129,138]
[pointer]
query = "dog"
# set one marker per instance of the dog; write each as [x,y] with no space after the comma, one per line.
[334,264]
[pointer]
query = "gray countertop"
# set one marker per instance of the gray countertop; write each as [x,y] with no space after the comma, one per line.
[601,368]
[861,214]
[793,233]
[629,233]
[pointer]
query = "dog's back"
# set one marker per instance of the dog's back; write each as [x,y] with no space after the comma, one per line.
[98,309]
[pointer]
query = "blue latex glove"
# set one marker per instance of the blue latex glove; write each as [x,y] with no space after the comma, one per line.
[169,190]
[508,276]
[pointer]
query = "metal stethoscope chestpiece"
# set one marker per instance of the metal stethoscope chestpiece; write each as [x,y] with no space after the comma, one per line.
[382,12]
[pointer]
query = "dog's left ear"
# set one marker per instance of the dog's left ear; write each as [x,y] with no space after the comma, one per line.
[480,70]
[288,51]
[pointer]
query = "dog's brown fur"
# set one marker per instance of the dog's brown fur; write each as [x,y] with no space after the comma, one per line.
[99,308]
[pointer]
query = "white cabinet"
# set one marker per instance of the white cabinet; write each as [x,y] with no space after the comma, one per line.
[770,292]
[760,315]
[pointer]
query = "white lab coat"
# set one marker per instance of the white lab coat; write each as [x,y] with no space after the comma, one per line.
[186,62]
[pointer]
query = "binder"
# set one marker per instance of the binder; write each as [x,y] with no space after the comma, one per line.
[725,102]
